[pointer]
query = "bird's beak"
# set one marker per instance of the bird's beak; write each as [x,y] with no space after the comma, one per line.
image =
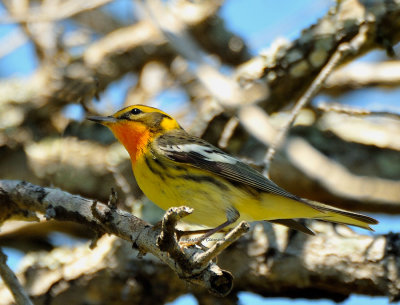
[104,120]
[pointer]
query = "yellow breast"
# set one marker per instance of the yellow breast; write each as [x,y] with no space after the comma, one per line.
[168,185]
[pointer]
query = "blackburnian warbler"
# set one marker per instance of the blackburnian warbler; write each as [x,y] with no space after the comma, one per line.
[174,168]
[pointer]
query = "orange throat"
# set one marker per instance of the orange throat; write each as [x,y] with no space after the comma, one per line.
[134,136]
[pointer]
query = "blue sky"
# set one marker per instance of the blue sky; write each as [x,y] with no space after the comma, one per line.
[259,22]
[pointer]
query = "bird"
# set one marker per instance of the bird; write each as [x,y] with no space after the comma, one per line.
[174,168]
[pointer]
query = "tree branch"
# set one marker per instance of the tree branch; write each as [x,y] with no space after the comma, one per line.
[60,205]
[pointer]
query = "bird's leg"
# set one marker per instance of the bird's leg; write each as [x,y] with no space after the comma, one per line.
[232,215]
[180,233]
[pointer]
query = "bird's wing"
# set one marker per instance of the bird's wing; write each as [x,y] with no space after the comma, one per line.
[189,150]
[184,148]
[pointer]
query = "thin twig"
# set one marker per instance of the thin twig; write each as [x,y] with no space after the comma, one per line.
[9,278]
[342,50]
[351,110]
[228,131]
[113,199]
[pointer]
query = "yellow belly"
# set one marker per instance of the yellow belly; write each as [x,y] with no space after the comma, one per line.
[206,199]
[211,201]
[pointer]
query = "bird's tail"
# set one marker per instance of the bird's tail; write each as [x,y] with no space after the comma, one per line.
[337,215]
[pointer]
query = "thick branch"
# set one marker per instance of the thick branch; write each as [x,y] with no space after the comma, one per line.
[64,206]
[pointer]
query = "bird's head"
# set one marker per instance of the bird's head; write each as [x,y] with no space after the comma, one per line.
[136,125]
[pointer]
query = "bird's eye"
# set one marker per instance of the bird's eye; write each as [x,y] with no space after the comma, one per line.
[136,111]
